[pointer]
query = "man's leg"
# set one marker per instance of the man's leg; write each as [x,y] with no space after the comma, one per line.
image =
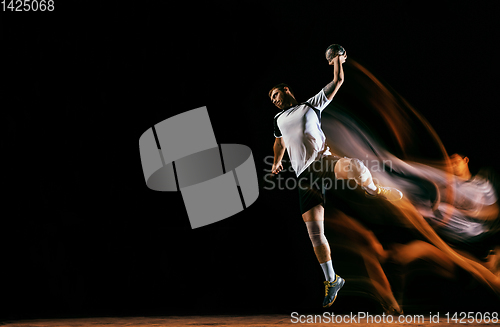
[314,220]
[349,168]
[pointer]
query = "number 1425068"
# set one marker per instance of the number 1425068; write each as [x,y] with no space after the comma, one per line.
[27,5]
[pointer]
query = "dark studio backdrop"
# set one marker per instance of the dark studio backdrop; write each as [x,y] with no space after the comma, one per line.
[82,235]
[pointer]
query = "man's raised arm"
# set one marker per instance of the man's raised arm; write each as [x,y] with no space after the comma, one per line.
[338,76]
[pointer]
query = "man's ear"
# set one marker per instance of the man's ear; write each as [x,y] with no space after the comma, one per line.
[287,91]
[466,160]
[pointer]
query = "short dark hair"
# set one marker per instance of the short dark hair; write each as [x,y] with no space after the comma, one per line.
[281,87]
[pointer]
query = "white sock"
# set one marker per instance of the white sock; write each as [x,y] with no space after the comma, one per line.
[328,271]
[371,188]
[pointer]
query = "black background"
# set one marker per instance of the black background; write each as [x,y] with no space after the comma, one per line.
[82,235]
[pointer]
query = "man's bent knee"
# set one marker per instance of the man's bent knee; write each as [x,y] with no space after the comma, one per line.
[352,168]
[342,168]
[316,231]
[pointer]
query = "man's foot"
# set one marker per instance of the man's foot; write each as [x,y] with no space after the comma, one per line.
[388,193]
[392,311]
[331,290]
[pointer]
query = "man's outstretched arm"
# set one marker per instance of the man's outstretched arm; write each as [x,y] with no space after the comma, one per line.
[338,76]
[279,151]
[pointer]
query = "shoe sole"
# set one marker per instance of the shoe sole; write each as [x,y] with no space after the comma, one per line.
[335,297]
[370,196]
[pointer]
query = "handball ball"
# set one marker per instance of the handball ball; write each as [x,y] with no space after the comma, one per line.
[334,50]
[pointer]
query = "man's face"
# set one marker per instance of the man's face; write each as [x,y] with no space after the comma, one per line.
[460,165]
[278,98]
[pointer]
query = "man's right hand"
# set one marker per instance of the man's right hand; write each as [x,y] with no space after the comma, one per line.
[340,58]
[343,57]
[277,167]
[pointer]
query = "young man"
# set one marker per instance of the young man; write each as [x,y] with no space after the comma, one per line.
[297,128]
[468,221]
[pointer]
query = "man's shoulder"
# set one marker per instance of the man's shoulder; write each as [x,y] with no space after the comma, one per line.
[319,101]
[279,114]
[308,104]
[288,111]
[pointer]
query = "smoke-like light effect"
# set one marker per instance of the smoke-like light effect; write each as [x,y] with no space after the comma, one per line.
[450,214]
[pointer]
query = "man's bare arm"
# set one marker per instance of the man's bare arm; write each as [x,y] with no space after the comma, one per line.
[279,151]
[338,76]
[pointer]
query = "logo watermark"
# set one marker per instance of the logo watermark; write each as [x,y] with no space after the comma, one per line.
[366,318]
[327,180]
[359,318]
[181,154]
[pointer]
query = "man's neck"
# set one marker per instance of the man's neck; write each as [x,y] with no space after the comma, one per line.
[292,103]
[466,175]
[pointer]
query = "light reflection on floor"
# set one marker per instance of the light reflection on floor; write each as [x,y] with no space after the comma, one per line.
[235,321]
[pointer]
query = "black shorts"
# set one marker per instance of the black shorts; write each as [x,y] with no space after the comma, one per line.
[314,181]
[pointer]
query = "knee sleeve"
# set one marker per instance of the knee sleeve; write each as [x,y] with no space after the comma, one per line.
[358,172]
[315,229]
